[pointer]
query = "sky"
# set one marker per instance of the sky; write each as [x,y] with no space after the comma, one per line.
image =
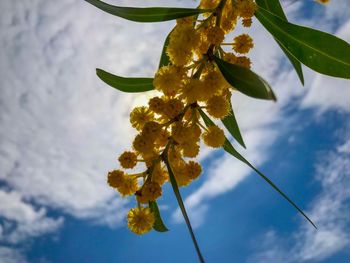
[61,130]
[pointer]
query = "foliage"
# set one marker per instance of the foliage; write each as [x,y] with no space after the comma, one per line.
[197,73]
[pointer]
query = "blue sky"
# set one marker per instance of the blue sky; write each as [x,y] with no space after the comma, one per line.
[61,130]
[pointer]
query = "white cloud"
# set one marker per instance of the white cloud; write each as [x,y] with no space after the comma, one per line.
[21,220]
[331,212]
[10,255]
[61,128]
[258,117]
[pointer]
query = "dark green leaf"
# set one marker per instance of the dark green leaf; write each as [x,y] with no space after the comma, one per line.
[229,148]
[147,14]
[245,80]
[181,204]
[318,50]
[231,125]
[125,84]
[274,6]
[158,223]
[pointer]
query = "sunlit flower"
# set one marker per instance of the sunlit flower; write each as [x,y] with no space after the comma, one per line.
[140,220]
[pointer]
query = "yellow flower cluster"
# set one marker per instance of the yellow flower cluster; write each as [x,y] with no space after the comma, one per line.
[169,128]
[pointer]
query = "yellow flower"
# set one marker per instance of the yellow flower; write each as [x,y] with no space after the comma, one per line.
[159,175]
[172,108]
[215,35]
[247,22]
[128,186]
[192,90]
[184,39]
[151,130]
[213,83]
[323,1]
[115,178]
[179,54]
[180,132]
[156,105]
[229,21]
[139,116]
[168,79]
[128,160]
[185,20]
[193,169]
[181,174]
[189,149]
[140,220]
[143,145]
[162,138]
[243,62]
[151,191]
[186,35]
[246,8]
[242,43]
[214,137]
[209,4]
[218,107]
[230,58]
[195,132]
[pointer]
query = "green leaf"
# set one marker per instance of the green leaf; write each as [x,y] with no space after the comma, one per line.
[164,58]
[147,14]
[229,148]
[245,80]
[158,223]
[180,202]
[231,125]
[318,50]
[274,6]
[125,84]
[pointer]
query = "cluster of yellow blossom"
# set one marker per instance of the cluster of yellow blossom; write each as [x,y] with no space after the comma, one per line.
[169,128]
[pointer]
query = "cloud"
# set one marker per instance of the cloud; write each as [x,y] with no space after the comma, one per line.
[330,210]
[61,128]
[258,119]
[9,255]
[21,220]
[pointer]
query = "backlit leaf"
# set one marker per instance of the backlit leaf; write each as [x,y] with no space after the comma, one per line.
[318,50]
[158,224]
[125,84]
[274,6]
[245,80]
[146,14]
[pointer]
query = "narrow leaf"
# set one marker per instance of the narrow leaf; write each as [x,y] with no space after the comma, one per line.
[231,125]
[158,223]
[181,204]
[318,50]
[125,84]
[147,14]
[231,150]
[245,80]
[274,6]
